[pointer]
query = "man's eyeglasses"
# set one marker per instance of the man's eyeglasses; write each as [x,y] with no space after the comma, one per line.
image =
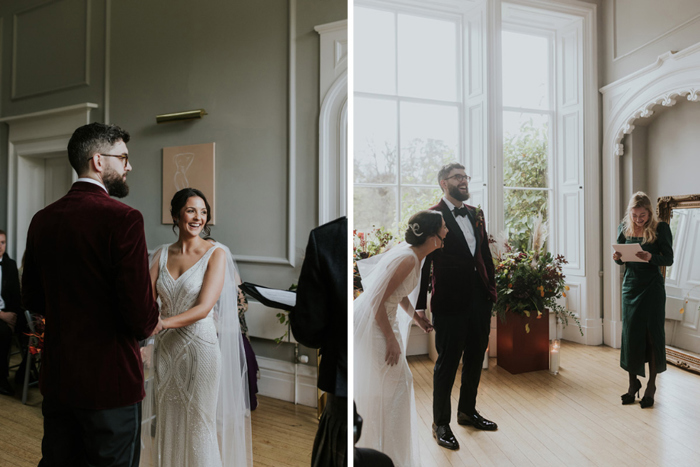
[460,177]
[124,157]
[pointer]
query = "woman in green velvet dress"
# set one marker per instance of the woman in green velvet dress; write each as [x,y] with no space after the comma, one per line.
[643,297]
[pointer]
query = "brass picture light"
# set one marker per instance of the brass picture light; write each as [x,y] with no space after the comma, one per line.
[186,115]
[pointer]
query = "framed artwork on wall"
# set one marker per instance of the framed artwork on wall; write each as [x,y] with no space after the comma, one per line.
[188,166]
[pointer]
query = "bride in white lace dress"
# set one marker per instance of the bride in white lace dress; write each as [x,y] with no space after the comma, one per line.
[196,412]
[383,381]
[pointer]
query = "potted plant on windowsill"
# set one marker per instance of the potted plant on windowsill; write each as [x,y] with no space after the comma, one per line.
[529,285]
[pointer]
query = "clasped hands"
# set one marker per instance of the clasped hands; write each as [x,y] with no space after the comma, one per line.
[422,321]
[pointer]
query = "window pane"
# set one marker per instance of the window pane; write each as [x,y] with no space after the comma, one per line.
[429,139]
[428,65]
[376,138]
[525,150]
[375,51]
[525,71]
[416,199]
[521,210]
[374,207]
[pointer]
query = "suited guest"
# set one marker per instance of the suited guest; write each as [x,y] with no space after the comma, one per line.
[10,310]
[319,321]
[461,276]
[86,271]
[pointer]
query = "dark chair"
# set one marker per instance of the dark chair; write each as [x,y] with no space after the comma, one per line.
[31,360]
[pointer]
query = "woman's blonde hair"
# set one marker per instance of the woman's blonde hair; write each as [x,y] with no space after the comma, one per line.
[640,200]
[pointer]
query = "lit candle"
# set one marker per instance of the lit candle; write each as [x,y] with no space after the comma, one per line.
[554,356]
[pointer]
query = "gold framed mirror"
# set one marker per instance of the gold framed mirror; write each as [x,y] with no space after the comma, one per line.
[682,280]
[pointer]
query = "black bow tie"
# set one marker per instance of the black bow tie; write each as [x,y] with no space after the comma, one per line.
[460,211]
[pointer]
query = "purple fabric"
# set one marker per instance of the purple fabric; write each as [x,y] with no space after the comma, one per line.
[252,372]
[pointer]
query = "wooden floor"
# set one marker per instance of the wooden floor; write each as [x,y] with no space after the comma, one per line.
[283,433]
[572,419]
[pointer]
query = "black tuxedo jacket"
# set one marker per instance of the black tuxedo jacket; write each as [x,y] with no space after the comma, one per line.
[86,271]
[453,271]
[319,319]
[10,286]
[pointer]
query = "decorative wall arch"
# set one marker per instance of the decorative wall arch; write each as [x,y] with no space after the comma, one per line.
[673,76]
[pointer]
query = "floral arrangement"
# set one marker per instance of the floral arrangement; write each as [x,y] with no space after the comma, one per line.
[37,344]
[366,245]
[283,318]
[527,282]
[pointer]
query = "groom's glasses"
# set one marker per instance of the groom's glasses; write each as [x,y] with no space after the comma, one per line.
[460,178]
[124,157]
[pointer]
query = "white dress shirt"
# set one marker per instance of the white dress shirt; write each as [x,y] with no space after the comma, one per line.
[466,225]
[93,181]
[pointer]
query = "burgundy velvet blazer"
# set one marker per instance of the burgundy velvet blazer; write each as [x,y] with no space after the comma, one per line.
[453,270]
[86,271]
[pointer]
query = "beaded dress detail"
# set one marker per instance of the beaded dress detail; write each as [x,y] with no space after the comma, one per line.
[187,371]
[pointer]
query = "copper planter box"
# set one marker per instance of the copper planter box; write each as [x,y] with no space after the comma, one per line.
[520,351]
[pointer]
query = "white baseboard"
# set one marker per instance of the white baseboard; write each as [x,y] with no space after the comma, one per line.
[417,341]
[277,381]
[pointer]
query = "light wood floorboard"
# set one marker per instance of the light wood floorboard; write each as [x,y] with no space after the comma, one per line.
[283,433]
[574,418]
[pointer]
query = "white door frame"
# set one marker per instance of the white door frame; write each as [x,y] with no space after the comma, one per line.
[34,135]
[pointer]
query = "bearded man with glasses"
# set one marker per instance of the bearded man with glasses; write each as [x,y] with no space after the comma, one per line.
[463,293]
[86,272]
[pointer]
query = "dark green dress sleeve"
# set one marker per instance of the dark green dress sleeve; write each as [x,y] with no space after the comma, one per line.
[621,239]
[664,240]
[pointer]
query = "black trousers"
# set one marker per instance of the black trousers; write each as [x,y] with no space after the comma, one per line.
[460,333]
[94,438]
[5,344]
[330,445]
[365,457]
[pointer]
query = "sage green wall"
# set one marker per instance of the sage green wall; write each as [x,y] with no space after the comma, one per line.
[636,32]
[672,151]
[228,57]
[51,59]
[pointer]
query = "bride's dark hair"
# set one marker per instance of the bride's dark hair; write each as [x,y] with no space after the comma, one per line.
[422,225]
[179,201]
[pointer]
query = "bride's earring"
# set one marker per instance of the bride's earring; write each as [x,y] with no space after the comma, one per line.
[435,241]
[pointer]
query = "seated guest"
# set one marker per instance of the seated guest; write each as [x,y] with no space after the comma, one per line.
[10,309]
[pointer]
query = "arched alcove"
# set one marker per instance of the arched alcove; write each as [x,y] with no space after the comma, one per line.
[628,103]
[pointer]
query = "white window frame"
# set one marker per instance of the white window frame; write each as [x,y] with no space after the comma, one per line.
[549,112]
[574,183]
[463,13]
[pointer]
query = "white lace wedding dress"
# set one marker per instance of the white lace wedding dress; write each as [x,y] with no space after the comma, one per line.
[187,364]
[384,393]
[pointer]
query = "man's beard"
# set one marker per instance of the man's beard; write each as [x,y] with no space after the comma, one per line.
[115,184]
[458,195]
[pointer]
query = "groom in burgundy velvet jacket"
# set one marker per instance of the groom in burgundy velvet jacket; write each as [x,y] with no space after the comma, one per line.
[463,293]
[86,272]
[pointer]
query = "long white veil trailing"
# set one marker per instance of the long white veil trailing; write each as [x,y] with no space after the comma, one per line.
[233,418]
[369,380]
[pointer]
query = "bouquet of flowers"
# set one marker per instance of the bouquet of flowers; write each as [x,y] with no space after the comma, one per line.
[366,245]
[528,282]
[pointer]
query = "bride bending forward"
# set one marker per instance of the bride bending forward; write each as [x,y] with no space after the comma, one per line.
[196,412]
[383,380]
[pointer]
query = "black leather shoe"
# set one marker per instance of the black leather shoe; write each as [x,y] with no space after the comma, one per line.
[646,402]
[5,388]
[444,437]
[476,420]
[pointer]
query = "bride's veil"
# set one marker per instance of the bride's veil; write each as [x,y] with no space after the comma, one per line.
[375,281]
[233,417]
